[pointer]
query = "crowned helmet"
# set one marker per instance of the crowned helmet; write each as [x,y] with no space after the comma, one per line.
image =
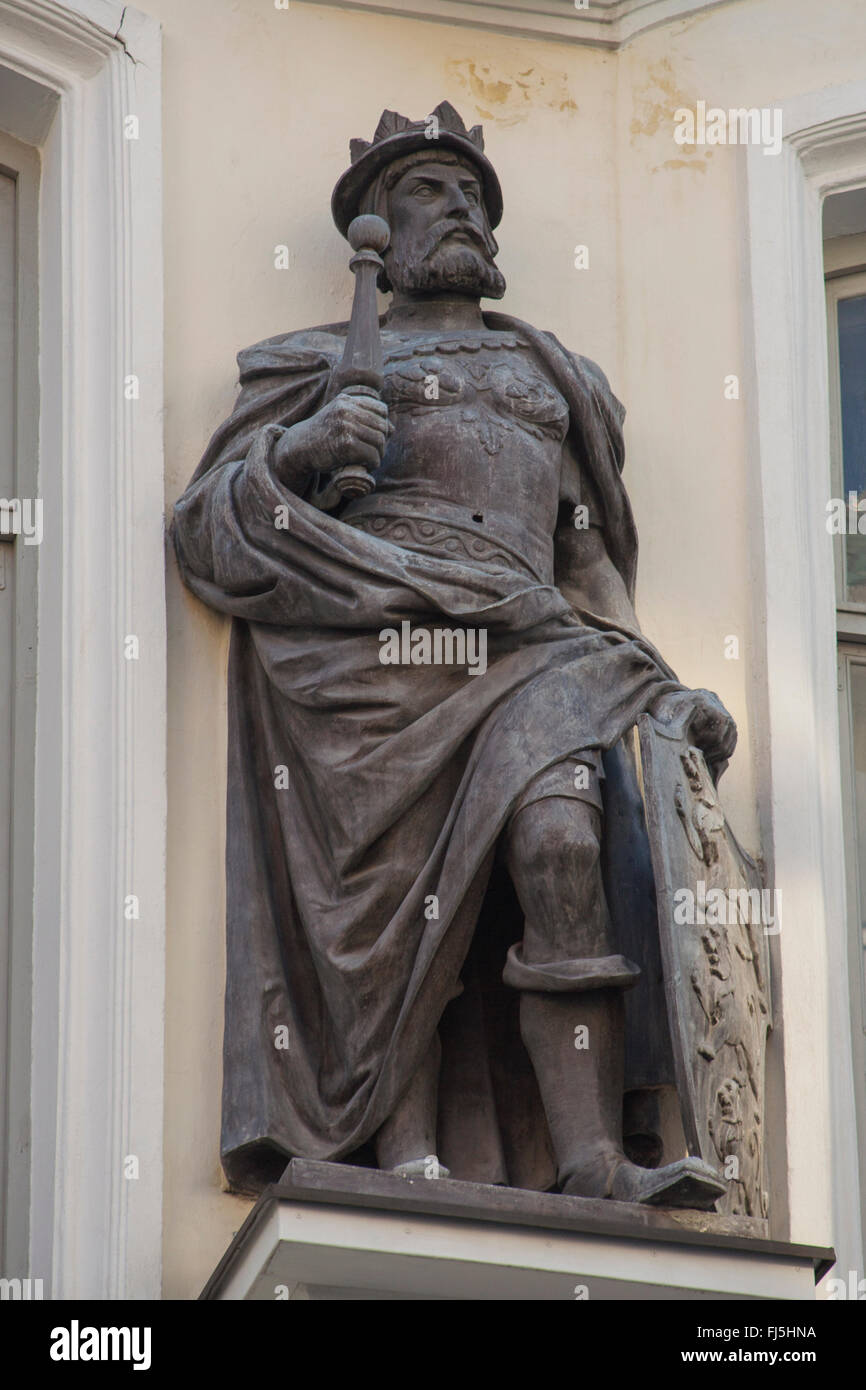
[397,136]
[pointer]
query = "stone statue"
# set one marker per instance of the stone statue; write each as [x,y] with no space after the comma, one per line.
[439,888]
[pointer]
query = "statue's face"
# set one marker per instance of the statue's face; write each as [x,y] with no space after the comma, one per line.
[429,193]
[440,236]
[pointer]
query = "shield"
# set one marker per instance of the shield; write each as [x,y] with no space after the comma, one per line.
[715,917]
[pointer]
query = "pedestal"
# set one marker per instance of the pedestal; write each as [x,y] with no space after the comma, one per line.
[329,1231]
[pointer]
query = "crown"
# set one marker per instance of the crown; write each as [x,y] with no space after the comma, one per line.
[445,117]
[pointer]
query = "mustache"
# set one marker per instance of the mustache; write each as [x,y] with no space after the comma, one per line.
[440,231]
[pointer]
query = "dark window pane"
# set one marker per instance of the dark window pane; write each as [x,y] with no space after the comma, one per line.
[852,372]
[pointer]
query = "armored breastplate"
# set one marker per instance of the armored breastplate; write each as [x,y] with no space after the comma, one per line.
[472,469]
[487,382]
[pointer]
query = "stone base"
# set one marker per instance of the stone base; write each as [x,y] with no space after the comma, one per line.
[330,1231]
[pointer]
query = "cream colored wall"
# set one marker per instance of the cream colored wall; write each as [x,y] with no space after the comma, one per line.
[693,461]
[259,106]
[684,299]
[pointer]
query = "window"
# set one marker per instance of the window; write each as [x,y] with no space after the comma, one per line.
[845,270]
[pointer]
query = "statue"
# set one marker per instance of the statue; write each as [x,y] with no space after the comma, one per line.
[438,872]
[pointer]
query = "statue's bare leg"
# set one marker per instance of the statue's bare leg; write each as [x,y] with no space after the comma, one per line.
[571,1009]
[406,1142]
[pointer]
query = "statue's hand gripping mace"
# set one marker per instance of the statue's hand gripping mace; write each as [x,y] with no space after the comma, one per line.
[362,369]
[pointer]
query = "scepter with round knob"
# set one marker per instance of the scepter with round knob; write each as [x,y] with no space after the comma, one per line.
[362,369]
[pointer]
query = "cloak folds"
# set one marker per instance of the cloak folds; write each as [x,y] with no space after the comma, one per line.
[364,904]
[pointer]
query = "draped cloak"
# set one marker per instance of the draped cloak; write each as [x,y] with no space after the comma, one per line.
[365,902]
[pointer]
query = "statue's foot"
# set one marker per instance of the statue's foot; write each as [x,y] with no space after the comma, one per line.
[428,1167]
[687,1183]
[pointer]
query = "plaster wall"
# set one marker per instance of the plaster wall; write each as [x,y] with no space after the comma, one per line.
[259,105]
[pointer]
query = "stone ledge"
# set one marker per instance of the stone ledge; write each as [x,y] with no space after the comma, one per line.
[330,1231]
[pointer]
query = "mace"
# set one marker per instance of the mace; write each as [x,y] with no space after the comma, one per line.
[362,369]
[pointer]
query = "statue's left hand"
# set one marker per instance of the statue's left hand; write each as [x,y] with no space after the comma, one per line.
[704,718]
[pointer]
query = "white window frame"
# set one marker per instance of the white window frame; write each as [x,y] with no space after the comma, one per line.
[20,563]
[844,259]
[799,772]
[849,654]
[98,979]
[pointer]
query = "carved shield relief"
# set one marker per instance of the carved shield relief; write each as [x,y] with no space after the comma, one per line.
[714,920]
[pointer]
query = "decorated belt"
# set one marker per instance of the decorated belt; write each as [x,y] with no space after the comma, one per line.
[454,532]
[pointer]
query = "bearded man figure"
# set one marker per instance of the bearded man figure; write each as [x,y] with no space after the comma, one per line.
[438,886]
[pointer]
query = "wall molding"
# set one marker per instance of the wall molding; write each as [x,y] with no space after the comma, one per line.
[801,811]
[605,23]
[97,1057]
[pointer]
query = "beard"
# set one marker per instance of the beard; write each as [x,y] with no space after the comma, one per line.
[435,263]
